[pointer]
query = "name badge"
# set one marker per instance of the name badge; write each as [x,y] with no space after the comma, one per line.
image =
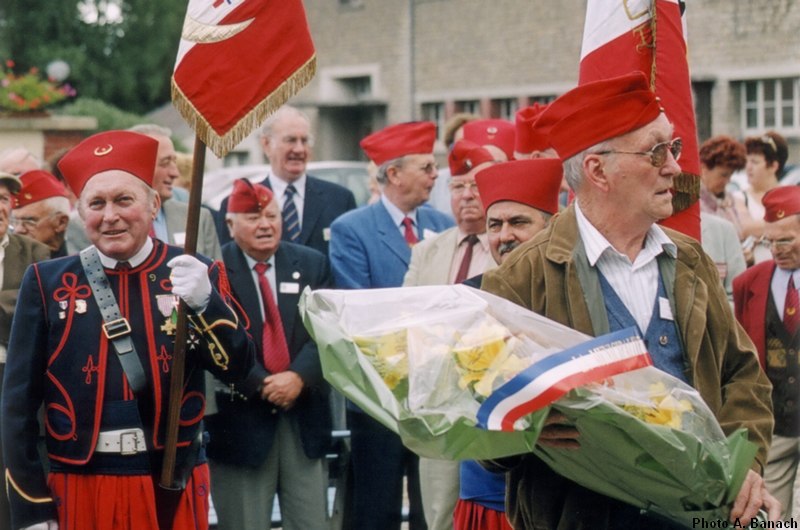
[289,287]
[664,310]
[326,234]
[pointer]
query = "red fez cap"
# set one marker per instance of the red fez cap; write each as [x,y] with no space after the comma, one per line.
[606,109]
[465,156]
[499,133]
[781,202]
[126,151]
[247,197]
[38,185]
[535,182]
[411,138]
[528,139]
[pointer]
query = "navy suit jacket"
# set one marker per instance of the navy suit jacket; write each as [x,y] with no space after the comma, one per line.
[368,251]
[243,430]
[324,202]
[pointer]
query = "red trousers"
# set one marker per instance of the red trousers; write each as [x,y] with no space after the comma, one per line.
[119,502]
[473,516]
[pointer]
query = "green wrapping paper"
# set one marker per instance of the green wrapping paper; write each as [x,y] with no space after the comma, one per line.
[408,375]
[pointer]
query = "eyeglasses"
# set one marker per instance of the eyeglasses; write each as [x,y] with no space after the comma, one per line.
[459,188]
[777,243]
[27,222]
[657,154]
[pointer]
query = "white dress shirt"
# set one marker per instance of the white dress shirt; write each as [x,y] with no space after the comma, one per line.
[636,283]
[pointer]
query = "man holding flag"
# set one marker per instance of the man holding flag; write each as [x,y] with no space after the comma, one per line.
[605,265]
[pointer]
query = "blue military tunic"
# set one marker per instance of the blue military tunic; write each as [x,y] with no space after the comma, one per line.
[59,356]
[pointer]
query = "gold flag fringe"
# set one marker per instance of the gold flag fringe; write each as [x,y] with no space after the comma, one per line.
[686,186]
[221,145]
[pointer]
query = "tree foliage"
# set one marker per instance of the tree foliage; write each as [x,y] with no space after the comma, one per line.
[119,51]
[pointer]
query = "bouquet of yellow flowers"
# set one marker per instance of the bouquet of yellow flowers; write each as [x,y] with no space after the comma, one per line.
[462,374]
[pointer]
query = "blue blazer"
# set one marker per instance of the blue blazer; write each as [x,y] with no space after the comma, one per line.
[243,430]
[368,251]
[324,202]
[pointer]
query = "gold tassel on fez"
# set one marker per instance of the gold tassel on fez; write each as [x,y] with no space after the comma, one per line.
[687,191]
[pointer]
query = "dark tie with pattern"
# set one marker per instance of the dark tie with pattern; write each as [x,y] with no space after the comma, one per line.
[273,342]
[411,237]
[291,219]
[463,269]
[791,309]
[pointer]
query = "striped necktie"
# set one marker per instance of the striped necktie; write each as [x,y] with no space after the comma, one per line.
[291,220]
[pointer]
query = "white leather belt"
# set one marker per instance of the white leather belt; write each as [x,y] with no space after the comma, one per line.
[121,441]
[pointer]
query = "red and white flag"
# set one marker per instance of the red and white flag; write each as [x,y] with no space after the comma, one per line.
[238,61]
[621,36]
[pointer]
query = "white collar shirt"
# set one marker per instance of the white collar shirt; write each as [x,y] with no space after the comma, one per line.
[636,283]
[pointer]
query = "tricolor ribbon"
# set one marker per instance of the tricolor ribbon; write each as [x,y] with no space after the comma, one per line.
[545,381]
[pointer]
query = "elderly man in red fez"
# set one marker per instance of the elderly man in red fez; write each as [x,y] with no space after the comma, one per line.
[451,257]
[92,344]
[605,264]
[42,211]
[370,248]
[520,197]
[274,440]
[766,303]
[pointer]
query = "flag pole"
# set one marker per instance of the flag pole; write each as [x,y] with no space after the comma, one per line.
[179,353]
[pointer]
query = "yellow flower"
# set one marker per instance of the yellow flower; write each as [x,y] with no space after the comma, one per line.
[388,354]
[664,409]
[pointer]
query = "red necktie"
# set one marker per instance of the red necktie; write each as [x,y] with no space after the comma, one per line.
[463,269]
[273,341]
[791,309]
[411,237]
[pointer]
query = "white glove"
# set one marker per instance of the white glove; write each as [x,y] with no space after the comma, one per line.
[47,525]
[190,281]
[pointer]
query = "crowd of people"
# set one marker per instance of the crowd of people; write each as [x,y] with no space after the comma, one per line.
[87,339]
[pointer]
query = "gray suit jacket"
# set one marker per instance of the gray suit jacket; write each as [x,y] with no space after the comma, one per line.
[431,260]
[207,240]
[175,212]
[20,252]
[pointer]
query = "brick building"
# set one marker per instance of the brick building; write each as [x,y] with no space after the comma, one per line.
[385,61]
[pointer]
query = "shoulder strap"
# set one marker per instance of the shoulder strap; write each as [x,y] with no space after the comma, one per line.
[116,328]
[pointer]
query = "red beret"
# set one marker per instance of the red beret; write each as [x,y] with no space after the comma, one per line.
[38,185]
[465,156]
[781,202]
[247,197]
[411,138]
[499,133]
[528,139]
[126,151]
[534,182]
[606,109]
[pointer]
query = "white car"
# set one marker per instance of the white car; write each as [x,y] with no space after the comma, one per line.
[217,184]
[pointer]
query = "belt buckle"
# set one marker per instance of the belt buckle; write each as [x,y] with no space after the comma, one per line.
[116,328]
[128,442]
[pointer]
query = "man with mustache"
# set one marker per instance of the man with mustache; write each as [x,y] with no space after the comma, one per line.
[520,197]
